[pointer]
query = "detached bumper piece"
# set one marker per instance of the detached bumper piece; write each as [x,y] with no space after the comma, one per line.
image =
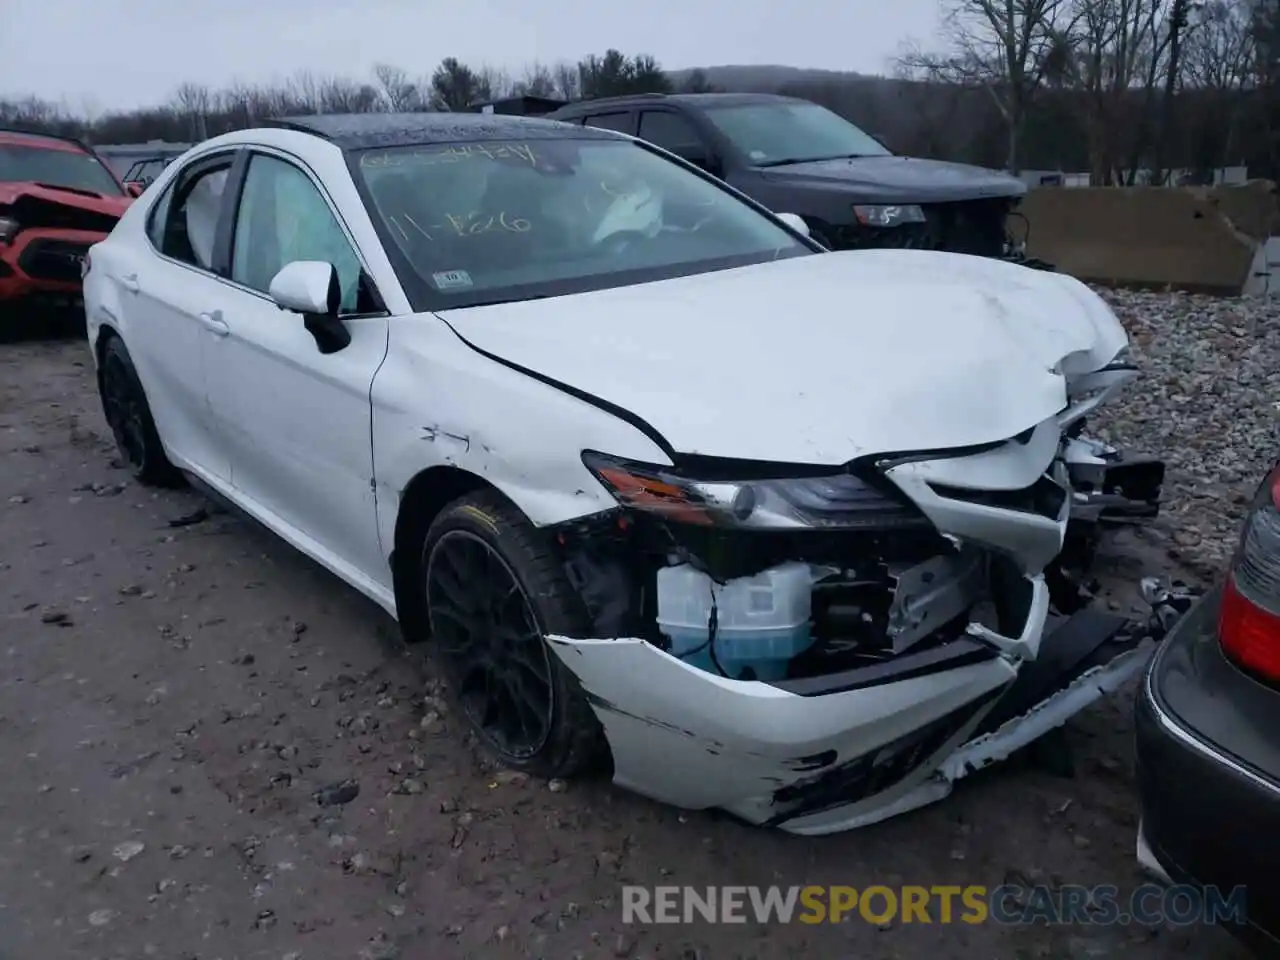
[1081,659]
[1084,658]
[1111,486]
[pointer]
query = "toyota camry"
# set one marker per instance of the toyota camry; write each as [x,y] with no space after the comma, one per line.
[668,488]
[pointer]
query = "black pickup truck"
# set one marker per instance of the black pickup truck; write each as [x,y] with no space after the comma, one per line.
[794,156]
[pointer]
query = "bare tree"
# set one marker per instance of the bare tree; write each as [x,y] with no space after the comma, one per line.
[538,81]
[1266,41]
[568,82]
[1004,46]
[1220,64]
[495,82]
[1113,57]
[341,95]
[193,102]
[1179,16]
[400,94]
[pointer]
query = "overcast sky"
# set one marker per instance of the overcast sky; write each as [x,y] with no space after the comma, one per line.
[114,54]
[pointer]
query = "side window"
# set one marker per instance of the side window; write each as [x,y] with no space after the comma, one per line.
[157,216]
[283,217]
[610,121]
[189,214]
[669,131]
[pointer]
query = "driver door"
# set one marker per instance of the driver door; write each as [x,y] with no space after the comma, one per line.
[297,421]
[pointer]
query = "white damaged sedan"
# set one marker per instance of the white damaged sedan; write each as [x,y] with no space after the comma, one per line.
[667,487]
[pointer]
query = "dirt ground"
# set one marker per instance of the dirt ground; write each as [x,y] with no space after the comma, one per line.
[175,696]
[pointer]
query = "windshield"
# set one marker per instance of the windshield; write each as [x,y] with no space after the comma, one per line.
[57,167]
[510,220]
[145,171]
[774,134]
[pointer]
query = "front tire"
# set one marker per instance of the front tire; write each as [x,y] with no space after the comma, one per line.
[493,593]
[124,404]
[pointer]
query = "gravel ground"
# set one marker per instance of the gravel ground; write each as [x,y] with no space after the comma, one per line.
[186,705]
[1209,403]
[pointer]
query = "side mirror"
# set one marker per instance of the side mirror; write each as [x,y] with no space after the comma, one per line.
[795,222]
[134,188]
[311,288]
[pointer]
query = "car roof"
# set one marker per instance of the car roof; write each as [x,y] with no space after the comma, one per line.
[703,100]
[40,141]
[360,131]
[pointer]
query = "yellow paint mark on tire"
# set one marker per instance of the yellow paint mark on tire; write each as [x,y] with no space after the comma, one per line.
[479,515]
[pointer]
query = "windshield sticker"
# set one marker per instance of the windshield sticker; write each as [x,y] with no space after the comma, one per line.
[521,152]
[451,279]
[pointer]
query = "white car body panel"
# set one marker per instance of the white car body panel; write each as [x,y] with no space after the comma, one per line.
[818,359]
[288,415]
[438,403]
[696,740]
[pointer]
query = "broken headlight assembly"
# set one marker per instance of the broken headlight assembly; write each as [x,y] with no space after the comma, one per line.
[835,501]
[891,215]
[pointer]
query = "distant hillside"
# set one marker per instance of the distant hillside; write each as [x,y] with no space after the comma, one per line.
[762,78]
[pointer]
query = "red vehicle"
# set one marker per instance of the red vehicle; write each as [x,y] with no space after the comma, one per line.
[57,199]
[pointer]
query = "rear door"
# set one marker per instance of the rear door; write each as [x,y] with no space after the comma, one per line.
[169,291]
[677,134]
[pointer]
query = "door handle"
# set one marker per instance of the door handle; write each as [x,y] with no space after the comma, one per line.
[215,324]
[130,282]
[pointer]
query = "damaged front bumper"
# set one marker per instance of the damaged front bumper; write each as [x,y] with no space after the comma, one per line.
[826,754]
[930,646]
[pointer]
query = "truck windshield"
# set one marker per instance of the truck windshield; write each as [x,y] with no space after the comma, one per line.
[56,167]
[782,132]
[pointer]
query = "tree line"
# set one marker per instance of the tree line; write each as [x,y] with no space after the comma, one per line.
[1134,82]
[1114,87]
[195,111]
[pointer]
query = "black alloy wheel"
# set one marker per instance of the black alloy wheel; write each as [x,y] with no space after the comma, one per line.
[124,405]
[494,591]
[123,409]
[489,643]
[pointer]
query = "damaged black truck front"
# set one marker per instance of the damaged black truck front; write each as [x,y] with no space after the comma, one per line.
[820,650]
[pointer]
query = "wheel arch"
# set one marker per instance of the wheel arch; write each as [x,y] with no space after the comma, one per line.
[104,335]
[427,493]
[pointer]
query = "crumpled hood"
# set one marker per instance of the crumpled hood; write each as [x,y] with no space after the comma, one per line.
[902,179]
[36,205]
[818,359]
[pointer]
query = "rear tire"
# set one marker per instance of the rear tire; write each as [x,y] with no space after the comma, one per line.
[124,404]
[493,593]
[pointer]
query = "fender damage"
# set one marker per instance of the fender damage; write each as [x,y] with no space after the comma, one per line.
[918,610]
[941,646]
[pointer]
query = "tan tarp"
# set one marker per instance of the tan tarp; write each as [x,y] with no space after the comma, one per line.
[1186,238]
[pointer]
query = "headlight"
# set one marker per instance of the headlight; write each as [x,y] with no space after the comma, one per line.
[8,229]
[840,501]
[888,216]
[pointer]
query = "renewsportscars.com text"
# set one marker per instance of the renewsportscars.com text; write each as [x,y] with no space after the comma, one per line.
[1149,904]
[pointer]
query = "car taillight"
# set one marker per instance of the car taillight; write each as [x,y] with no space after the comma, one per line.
[1249,623]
